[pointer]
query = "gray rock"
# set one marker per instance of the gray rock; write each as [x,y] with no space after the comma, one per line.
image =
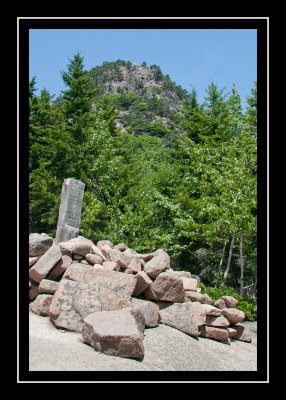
[165,349]
[181,317]
[115,333]
[149,309]
[70,210]
[45,264]
[122,284]
[73,301]
[39,244]
[167,288]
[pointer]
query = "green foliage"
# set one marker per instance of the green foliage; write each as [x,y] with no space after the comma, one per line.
[185,182]
[245,304]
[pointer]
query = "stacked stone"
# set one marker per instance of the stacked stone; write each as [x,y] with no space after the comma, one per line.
[112,293]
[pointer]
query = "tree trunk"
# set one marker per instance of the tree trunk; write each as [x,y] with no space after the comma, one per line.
[221,261]
[229,257]
[241,265]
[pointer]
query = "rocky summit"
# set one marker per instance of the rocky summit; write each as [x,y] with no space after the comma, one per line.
[111,294]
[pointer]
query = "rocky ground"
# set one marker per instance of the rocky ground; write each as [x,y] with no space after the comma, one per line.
[166,349]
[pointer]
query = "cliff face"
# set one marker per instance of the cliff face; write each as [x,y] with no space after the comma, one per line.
[147,101]
[124,77]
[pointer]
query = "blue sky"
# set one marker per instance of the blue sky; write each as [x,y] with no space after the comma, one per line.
[192,57]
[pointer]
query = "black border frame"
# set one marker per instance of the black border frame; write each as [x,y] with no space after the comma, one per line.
[259,23]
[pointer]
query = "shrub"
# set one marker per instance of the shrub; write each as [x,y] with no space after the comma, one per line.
[245,304]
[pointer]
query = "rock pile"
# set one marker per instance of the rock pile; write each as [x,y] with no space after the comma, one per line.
[112,293]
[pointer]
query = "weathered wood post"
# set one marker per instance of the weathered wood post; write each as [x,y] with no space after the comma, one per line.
[70,210]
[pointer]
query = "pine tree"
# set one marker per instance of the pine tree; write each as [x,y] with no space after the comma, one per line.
[77,99]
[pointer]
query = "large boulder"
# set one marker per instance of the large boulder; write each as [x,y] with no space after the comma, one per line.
[158,264]
[39,244]
[73,301]
[122,284]
[45,264]
[79,245]
[233,315]
[60,268]
[142,282]
[167,288]
[181,317]
[149,309]
[212,332]
[48,287]
[41,305]
[116,333]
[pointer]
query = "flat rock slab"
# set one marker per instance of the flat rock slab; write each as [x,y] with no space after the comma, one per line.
[122,284]
[45,264]
[74,301]
[166,349]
